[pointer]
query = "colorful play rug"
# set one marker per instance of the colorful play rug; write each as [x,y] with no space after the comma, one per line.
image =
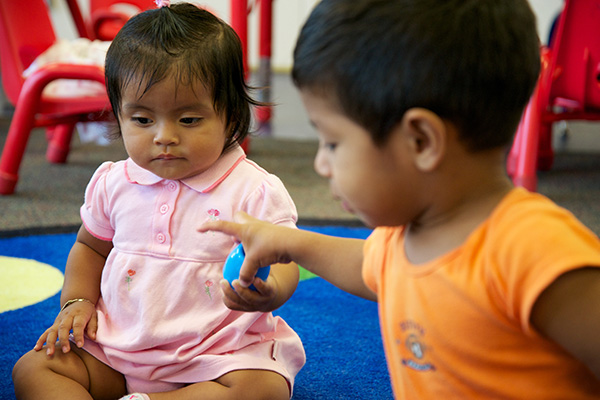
[340,332]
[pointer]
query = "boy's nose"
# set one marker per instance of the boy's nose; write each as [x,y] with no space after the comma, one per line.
[321,163]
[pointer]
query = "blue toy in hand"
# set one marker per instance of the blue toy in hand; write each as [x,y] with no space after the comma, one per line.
[233,264]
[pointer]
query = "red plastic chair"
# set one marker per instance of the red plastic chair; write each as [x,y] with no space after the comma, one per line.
[23,37]
[568,89]
[105,20]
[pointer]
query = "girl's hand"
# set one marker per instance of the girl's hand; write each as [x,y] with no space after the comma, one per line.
[263,242]
[79,317]
[248,300]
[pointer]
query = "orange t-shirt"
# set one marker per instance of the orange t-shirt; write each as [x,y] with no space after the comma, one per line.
[459,326]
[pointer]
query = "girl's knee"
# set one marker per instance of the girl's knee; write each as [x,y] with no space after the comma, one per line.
[83,373]
[257,385]
[36,365]
[21,368]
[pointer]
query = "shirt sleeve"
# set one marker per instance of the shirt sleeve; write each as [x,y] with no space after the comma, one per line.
[95,211]
[534,247]
[271,202]
[373,258]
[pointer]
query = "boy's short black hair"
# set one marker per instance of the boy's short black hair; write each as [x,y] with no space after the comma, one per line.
[472,62]
[192,45]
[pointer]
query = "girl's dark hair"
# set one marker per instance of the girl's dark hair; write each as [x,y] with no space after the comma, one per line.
[472,62]
[190,44]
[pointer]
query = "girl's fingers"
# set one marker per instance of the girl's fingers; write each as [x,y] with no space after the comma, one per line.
[64,332]
[254,300]
[262,287]
[92,326]
[228,292]
[40,342]
[79,325]
[51,342]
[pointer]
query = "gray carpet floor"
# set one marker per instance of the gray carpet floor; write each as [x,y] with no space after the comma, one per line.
[48,196]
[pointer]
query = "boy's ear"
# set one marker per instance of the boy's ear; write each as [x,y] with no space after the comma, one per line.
[427,137]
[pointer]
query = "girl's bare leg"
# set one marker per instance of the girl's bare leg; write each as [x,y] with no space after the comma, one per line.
[75,375]
[242,384]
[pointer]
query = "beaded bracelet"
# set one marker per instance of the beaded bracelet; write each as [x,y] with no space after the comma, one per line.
[69,302]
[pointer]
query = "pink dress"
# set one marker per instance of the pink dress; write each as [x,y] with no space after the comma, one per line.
[161,319]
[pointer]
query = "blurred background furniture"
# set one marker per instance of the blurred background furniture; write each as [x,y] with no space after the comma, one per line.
[240,10]
[568,89]
[106,17]
[20,45]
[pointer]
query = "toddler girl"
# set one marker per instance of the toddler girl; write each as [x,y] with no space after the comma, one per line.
[142,293]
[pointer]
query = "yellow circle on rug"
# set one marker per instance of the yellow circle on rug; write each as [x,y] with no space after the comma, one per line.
[25,282]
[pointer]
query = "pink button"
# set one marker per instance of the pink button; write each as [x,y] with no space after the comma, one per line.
[172,186]
[164,208]
[160,238]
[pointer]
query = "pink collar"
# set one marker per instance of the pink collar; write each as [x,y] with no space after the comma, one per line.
[202,183]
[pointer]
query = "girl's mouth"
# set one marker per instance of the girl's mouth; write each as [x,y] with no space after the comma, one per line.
[166,157]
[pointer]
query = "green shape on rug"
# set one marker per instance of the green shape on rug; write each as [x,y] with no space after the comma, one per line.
[305,274]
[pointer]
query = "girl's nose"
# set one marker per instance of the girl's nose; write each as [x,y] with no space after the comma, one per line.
[321,163]
[166,136]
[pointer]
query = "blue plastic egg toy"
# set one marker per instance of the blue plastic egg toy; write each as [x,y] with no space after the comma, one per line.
[233,264]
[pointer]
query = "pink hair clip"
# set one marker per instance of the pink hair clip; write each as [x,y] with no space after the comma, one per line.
[162,3]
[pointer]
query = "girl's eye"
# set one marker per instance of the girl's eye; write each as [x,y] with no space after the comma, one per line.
[190,120]
[141,120]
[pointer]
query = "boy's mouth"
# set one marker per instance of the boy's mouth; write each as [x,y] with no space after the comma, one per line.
[347,207]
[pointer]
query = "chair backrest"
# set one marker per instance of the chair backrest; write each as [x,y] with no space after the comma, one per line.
[107,17]
[141,5]
[26,31]
[576,56]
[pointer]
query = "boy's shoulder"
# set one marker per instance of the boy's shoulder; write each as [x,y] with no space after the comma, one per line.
[520,209]
[522,223]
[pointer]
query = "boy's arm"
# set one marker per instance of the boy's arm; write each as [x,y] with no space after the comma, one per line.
[568,312]
[337,260]
[82,281]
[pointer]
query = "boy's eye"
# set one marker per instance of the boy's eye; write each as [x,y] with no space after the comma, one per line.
[330,146]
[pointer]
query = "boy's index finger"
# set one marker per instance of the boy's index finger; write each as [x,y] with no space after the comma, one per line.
[233,228]
[228,227]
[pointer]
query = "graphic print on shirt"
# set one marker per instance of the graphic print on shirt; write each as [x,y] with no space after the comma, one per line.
[413,339]
[207,286]
[213,215]
[129,278]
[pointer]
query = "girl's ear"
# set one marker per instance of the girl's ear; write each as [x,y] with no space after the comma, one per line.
[427,138]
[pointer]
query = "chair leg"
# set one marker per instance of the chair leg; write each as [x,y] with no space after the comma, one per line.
[60,144]
[14,149]
[545,152]
[527,142]
[264,113]
[513,154]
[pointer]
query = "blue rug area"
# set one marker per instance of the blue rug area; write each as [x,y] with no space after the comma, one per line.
[340,332]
